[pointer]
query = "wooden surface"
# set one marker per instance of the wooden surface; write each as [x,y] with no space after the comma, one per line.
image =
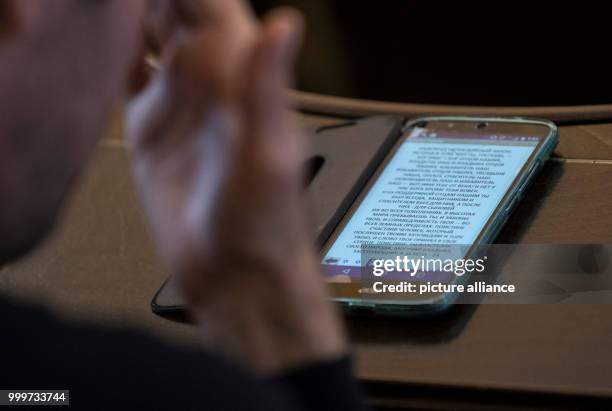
[100,267]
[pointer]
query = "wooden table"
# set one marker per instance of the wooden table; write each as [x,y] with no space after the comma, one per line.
[100,267]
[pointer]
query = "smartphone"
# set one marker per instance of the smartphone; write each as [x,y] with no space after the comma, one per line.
[447,181]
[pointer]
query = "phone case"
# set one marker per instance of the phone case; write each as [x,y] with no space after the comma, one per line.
[342,158]
[498,220]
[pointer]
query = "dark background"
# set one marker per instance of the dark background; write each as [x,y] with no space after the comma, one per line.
[522,53]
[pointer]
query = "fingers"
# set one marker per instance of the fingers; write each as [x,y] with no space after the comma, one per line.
[271,65]
[202,65]
[228,62]
[270,74]
[202,38]
[166,17]
[159,23]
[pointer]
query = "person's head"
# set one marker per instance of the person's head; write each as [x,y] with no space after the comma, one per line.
[64,66]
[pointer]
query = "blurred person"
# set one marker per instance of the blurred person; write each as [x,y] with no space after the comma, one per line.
[216,157]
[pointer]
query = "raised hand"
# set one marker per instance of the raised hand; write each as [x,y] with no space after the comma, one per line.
[217,158]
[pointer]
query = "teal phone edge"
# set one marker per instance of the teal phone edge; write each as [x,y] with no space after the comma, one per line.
[530,170]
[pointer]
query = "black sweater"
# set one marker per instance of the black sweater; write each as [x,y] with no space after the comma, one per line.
[108,369]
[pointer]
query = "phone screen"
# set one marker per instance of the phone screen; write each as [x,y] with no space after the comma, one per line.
[438,186]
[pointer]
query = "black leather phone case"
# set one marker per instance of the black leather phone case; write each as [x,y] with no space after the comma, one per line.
[342,158]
